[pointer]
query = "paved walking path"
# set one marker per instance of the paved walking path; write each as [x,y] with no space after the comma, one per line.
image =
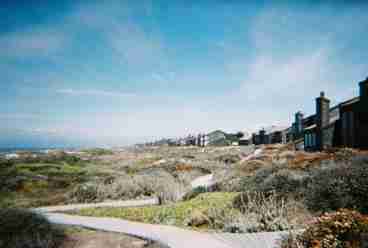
[130,203]
[170,236]
[204,181]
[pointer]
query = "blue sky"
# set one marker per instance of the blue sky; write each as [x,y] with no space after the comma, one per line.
[87,73]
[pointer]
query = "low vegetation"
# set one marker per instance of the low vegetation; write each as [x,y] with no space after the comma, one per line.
[259,212]
[181,213]
[229,212]
[276,189]
[98,151]
[341,229]
[24,229]
[344,185]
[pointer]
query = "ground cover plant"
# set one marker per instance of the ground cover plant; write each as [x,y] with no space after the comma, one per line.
[341,229]
[344,185]
[220,211]
[179,213]
[40,181]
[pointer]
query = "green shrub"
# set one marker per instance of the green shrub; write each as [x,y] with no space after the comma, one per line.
[275,178]
[284,182]
[341,186]
[84,193]
[194,192]
[342,229]
[98,151]
[254,182]
[120,188]
[25,229]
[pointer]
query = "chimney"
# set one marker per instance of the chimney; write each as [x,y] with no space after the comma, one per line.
[299,128]
[364,89]
[322,118]
[262,136]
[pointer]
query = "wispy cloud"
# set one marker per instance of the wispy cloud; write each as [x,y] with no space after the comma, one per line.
[290,67]
[20,116]
[32,43]
[92,92]
[135,46]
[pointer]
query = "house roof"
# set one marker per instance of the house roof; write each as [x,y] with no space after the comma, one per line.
[350,101]
[274,128]
[216,131]
[310,127]
[246,136]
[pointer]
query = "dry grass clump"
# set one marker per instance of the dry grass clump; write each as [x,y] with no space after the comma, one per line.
[341,229]
[163,185]
[183,167]
[156,183]
[304,160]
[25,229]
[228,158]
[258,212]
[119,188]
[251,166]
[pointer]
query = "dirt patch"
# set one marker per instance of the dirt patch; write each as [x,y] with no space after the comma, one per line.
[83,238]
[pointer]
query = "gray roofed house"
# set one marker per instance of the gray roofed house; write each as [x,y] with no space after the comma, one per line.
[344,125]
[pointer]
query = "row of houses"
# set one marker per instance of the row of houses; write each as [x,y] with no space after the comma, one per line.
[214,138]
[342,125]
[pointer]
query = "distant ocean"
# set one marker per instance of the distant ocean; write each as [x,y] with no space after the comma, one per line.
[30,149]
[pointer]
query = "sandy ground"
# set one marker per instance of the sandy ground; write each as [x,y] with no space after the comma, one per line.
[98,239]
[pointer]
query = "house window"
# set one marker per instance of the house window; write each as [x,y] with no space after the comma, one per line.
[313,142]
[307,141]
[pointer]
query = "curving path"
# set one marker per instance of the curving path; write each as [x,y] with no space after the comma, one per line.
[170,236]
[203,181]
[113,204]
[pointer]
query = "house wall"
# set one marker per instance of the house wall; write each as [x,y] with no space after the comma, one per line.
[361,135]
[277,137]
[328,136]
[310,140]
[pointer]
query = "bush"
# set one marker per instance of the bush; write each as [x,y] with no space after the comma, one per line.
[342,186]
[156,183]
[250,183]
[163,185]
[284,182]
[85,193]
[121,188]
[275,178]
[342,229]
[195,192]
[25,229]
[261,212]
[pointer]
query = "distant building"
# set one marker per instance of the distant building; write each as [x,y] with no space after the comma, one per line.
[344,125]
[216,138]
[246,140]
[11,156]
[271,135]
[190,140]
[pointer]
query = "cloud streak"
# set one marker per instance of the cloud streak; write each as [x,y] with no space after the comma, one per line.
[93,92]
[20,116]
[33,43]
